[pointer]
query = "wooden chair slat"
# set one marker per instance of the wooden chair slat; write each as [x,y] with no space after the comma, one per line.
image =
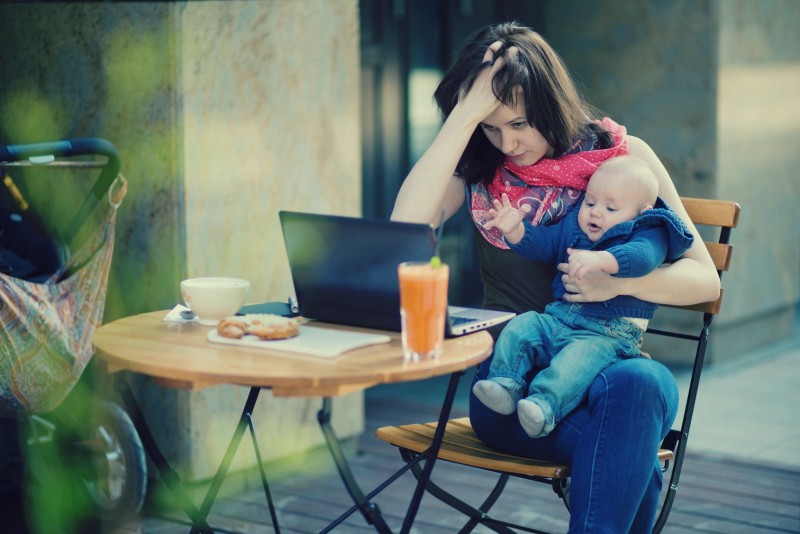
[710,212]
[461,445]
[704,307]
[721,254]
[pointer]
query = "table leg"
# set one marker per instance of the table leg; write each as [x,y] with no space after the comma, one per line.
[432,453]
[369,510]
[168,475]
[233,445]
[172,479]
[272,512]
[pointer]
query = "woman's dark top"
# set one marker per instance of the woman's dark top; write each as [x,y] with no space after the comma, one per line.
[513,283]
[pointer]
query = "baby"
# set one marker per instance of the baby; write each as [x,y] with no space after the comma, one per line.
[621,228]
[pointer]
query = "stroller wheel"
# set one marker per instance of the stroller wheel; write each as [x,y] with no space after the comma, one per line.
[115,477]
[85,468]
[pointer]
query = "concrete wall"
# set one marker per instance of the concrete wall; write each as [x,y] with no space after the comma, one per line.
[223,113]
[712,86]
[269,111]
[652,67]
[758,157]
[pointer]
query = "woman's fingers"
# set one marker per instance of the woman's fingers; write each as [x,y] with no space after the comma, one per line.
[497,52]
[480,94]
[491,52]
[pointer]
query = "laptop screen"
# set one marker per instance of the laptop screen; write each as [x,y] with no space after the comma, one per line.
[344,269]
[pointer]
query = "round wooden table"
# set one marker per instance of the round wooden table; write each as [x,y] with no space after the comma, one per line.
[180,355]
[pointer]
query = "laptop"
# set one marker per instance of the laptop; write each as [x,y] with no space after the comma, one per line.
[344,271]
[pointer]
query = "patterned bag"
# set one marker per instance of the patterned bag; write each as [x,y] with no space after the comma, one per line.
[47,327]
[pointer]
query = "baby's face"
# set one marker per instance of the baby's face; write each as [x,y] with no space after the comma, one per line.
[610,199]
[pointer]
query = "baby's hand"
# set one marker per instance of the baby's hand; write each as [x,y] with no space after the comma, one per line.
[582,262]
[507,219]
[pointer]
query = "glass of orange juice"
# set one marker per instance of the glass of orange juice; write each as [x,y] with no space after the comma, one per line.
[423,308]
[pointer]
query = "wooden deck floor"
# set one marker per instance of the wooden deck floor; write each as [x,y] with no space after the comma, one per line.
[716,495]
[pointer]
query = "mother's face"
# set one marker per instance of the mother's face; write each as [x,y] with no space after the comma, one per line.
[507,129]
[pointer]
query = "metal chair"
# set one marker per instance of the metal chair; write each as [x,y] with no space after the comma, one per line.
[462,446]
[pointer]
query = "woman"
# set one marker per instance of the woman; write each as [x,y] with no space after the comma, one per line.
[516,124]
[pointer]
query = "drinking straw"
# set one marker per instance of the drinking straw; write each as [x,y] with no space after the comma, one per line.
[436,261]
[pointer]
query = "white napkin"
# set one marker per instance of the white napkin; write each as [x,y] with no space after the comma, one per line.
[312,340]
[174,315]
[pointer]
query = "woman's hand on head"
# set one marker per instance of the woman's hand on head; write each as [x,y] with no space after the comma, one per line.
[480,100]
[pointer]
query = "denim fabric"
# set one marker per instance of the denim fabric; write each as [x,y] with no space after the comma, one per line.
[611,441]
[565,350]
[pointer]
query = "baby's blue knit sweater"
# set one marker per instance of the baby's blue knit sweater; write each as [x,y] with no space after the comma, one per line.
[655,236]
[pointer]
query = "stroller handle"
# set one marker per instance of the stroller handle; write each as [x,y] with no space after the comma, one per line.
[67,148]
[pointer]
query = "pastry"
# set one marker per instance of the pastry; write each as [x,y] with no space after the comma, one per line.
[263,325]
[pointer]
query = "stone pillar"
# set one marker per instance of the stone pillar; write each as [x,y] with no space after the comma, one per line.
[223,114]
[758,156]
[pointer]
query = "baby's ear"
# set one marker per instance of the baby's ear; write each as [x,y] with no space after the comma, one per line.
[644,209]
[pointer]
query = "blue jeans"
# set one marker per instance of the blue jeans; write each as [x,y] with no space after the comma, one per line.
[611,441]
[567,348]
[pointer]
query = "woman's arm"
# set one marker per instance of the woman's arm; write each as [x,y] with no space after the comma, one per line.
[431,186]
[690,280]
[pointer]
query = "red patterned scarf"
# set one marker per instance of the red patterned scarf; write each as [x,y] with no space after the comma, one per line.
[550,186]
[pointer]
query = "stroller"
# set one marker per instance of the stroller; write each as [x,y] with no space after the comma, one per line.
[78,457]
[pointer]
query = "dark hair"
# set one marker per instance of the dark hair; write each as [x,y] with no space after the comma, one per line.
[553,104]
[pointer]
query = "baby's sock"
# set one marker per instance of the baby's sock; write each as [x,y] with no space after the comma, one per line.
[531,417]
[494,396]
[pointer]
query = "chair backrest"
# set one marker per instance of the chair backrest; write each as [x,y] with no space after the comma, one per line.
[724,216]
